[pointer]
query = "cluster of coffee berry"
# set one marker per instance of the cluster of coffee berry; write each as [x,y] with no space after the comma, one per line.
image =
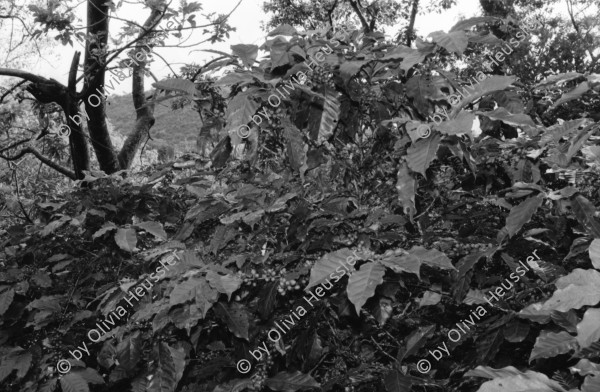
[286,285]
[347,239]
[588,183]
[460,249]
[259,378]
[319,77]
[275,115]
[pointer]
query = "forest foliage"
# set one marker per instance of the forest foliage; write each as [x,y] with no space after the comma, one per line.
[392,185]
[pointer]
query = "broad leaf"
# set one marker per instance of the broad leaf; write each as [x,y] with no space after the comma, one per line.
[185,291]
[329,117]
[584,211]
[509,379]
[331,264]
[226,284]
[296,148]
[154,228]
[558,79]
[550,344]
[73,382]
[578,289]
[594,252]
[467,24]
[487,86]
[407,187]
[247,53]
[350,68]
[506,117]
[520,215]
[291,382]
[170,363]
[395,381]
[415,341]
[577,92]
[455,41]
[588,330]
[235,317]
[6,299]
[362,283]
[183,85]
[126,239]
[431,257]
[463,123]
[422,153]
[108,226]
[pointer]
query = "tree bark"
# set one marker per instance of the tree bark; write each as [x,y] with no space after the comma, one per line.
[97,19]
[411,25]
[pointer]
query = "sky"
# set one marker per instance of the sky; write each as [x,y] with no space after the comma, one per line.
[247,18]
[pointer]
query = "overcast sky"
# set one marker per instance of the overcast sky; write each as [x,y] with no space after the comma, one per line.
[248,19]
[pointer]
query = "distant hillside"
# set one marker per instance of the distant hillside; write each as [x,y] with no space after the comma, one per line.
[177,128]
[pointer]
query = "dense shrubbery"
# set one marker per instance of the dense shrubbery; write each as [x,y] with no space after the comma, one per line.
[347,165]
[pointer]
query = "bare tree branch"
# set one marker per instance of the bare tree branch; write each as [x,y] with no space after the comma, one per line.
[363,21]
[47,161]
[411,26]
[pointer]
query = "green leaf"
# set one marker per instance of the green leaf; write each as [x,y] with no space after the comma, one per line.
[415,341]
[402,263]
[291,382]
[422,153]
[431,257]
[577,92]
[407,188]
[594,252]
[183,85]
[362,283]
[550,344]
[154,228]
[467,24]
[108,226]
[206,296]
[455,41]
[239,112]
[410,57]
[235,317]
[423,89]
[509,379]
[247,53]
[185,291]
[329,117]
[6,298]
[350,68]
[226,284]
[279,52]
[588,330]
[234,78]
[395,381]
[463,123]
[170,364]
[558,79]
[326,266]
[73,382]
[584,211]
[296,148]
[578,289]
[126,239]
[284,29]
[486,86]
[501,114]
[591,384]
[519,215]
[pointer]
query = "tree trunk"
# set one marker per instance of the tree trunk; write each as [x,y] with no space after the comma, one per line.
[411,25]
[93,90]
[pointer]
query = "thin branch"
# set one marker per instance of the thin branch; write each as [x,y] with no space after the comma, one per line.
[43,159]
[363,21]
[13,88]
